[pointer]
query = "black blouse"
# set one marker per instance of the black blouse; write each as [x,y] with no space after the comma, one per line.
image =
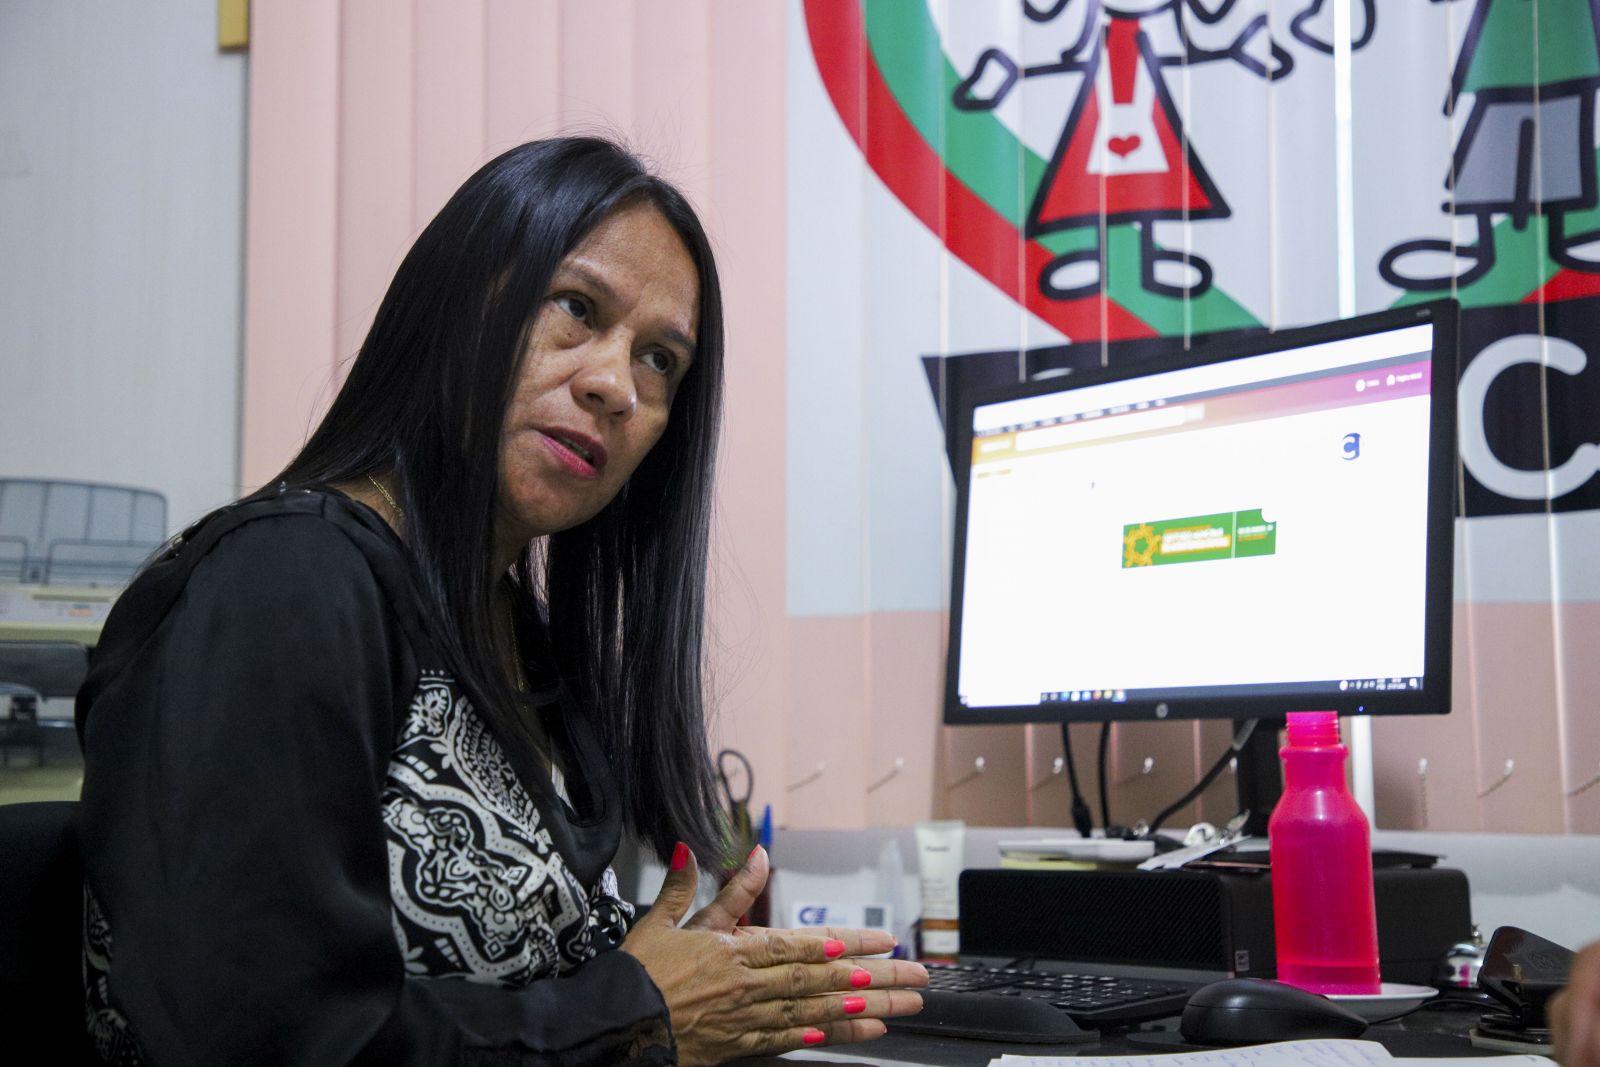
[303,844]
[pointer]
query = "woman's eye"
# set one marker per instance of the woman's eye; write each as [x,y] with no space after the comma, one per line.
[573,305]
[660,361]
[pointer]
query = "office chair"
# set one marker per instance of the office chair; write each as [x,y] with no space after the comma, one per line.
[41,936]
[31,671]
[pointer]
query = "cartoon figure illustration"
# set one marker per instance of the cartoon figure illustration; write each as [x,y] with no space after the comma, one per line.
[1527,146]
[1122,156]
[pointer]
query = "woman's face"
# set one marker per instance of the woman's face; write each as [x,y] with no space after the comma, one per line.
[607,351]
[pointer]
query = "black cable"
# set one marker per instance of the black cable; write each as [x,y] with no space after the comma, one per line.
[1082,818]
[1105,792]
[1238,742]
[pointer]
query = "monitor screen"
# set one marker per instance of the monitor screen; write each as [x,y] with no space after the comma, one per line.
[1259,530]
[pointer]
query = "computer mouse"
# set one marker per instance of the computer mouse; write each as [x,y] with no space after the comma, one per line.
[1251,1011]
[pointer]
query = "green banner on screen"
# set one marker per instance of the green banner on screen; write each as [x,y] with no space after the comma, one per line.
[1195,538]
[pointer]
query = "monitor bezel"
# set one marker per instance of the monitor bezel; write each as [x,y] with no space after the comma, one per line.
[1444,475]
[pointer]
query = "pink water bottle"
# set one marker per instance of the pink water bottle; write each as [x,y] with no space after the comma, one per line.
[1325,924]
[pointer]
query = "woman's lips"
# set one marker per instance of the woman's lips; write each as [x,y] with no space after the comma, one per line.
[581,455]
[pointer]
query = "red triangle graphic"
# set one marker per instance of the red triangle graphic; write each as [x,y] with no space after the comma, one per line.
[1565,285]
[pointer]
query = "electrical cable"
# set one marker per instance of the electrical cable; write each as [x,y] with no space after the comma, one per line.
[1082,818]
[1234,747]
[1105,792]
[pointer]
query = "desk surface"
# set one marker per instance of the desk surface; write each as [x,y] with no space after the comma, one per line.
[1430,1032]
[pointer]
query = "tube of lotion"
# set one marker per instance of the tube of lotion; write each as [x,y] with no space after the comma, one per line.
[939,862]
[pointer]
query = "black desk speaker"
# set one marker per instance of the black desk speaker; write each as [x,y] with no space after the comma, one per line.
[1194,921]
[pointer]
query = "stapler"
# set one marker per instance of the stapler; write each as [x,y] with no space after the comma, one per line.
[1522,971]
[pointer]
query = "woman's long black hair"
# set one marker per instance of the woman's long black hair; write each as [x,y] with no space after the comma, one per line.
[624,593]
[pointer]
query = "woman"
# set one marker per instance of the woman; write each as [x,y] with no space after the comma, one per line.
[359,748]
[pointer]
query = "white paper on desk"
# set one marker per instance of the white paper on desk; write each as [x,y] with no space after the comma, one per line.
[1323,1053]
[1331,1052]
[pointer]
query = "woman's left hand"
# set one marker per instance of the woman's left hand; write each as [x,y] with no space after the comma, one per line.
[741,990]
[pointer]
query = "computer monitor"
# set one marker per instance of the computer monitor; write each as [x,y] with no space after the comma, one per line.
[1264,528]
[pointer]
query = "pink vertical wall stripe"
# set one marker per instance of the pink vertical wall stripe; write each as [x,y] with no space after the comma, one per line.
[291,230]
[448,99]
[746,163]
[522,50]
[376,146]
[597,76]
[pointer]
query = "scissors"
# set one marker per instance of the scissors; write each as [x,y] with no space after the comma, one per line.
[731,766]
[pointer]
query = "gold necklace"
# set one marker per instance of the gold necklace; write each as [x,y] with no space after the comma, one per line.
[516,652]
[387,499]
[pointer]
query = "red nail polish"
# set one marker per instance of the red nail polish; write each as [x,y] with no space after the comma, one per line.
[752,857]
[680,856]
[855,1005]
[833,949]
[860,978]
[814,1037]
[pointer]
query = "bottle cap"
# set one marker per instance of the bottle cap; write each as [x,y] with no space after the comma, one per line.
[1313,729]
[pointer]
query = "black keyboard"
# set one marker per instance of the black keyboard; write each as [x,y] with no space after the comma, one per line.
[1012,1004]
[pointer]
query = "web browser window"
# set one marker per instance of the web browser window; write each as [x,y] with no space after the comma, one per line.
[1256,525]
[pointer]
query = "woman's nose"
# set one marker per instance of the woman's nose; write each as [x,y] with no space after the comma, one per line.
[604,384]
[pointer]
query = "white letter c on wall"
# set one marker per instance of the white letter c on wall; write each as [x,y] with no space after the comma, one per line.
[1480,459]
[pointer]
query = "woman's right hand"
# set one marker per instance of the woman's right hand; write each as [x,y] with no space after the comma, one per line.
[1575,1012]
[745,991]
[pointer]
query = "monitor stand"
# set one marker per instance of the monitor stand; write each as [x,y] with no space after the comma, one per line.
[1258,776]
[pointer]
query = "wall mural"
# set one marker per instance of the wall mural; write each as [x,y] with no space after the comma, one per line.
[1013,186]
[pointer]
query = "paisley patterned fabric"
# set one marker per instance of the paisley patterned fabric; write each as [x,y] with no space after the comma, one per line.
[479,892]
